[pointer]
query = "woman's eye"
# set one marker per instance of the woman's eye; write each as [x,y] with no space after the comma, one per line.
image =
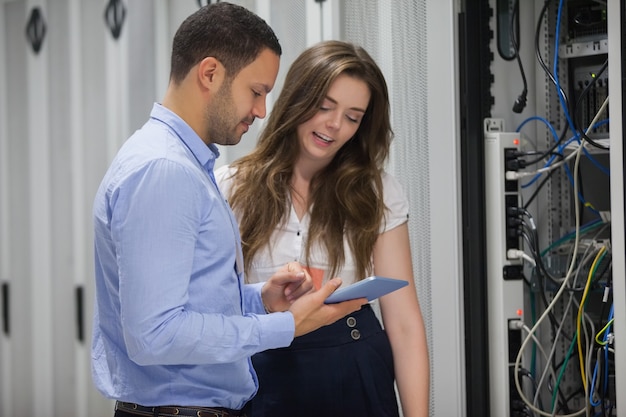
[256,94]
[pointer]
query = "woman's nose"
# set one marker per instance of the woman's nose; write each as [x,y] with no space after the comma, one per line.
[335,121]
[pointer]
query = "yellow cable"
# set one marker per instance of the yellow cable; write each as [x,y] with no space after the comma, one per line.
[581,357]
[603,342]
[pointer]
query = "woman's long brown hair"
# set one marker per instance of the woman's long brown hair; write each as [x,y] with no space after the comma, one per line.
[347,195]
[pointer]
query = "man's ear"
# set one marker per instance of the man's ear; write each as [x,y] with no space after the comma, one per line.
[211,73]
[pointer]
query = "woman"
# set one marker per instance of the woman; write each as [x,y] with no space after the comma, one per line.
[314,190]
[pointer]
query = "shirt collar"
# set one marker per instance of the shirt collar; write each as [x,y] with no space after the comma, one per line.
[206,155]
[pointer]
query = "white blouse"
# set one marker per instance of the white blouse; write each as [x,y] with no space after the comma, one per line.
[287,242]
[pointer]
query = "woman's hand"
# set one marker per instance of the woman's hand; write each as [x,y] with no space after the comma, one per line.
[284,287]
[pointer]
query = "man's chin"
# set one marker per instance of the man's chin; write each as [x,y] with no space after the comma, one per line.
[229,141]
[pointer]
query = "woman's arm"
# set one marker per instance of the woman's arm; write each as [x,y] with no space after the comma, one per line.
[402,319]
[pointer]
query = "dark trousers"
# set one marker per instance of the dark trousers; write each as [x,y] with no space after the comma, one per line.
[345,369]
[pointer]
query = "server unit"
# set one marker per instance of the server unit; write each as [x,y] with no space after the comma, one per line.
[551,86]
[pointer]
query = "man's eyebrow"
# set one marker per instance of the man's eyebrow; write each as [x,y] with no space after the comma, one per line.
[265,87]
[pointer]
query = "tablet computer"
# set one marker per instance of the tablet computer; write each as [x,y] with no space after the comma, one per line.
[370,288]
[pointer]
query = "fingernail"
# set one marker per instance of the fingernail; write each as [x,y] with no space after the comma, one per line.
[300,274]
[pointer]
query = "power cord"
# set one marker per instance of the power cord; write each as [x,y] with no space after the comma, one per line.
[520,103]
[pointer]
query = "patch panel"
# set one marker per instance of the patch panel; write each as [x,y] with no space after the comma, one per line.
[504,273]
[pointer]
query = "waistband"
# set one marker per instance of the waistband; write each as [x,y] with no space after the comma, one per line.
[352,328]
[176,411]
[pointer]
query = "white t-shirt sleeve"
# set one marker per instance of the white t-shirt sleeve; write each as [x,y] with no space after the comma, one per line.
[397,204]
[223,177]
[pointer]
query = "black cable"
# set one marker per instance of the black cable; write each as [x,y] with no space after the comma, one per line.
[541,282]
[582,201]
[532,235]
[538,188]
[550,151]
[538,153]
[549,74]
[577,106]
[609,282]
[604,385]
[525,372]
[520,103]
[606,264]
[560,140]
[602,392]
[563,406]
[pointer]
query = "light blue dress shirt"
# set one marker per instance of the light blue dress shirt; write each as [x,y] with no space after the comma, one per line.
[174,324]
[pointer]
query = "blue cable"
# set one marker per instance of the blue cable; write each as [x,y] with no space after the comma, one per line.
[606,365]
[593,387]
[606,350]
[541,119]
[560,151]
[567,172]
[556,71]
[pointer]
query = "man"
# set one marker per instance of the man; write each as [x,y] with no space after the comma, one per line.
[174,326]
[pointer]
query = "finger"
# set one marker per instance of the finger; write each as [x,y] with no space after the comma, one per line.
[294,267]
[347,307]
[330,287]
[301,280]
[296,290]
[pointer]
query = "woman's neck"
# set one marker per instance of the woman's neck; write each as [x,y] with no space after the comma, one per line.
[303,171]
[300,195]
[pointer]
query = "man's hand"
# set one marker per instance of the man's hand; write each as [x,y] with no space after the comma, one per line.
[284,287]
[310,313]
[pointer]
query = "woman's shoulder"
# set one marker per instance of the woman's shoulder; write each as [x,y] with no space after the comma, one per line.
[395,200]
[224,171]
[224,177]
[392,188]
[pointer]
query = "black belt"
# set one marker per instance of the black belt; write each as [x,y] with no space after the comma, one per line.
[176,411]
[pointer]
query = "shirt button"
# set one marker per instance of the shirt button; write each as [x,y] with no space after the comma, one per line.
[356,335]
[351,321]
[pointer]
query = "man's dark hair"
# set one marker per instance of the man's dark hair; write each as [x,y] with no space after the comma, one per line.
[230,33]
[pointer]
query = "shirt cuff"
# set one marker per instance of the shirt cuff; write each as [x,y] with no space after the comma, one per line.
[277,329]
